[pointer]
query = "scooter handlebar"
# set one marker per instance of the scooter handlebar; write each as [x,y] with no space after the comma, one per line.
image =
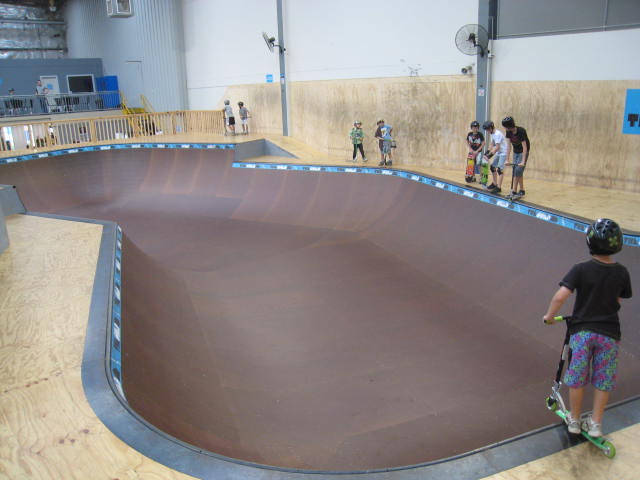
[558,319]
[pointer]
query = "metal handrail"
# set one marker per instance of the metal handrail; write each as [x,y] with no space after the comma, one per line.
[24,105]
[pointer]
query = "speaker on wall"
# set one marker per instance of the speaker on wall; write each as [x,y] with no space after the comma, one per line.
[119,8]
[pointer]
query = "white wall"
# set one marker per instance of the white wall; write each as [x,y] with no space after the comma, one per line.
[224,46]
[610,55]
[334,39]
[329,39]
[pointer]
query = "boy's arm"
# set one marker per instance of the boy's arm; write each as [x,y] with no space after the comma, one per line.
[556,303]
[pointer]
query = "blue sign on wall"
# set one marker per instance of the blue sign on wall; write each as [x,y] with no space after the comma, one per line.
[631,122]
[269,77]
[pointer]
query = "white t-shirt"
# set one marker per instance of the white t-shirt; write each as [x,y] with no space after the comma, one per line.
[498,139]
[228,111]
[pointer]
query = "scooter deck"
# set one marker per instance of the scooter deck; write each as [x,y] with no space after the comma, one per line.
[605,445]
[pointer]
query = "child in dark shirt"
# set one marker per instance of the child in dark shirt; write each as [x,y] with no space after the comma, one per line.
[475,144]
[594,326]
[519,140]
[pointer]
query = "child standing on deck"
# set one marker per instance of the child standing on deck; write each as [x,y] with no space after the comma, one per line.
[357,136]
[594,326]
[497,148]
[230,120]
[518,138]
[244,118]
[475,144]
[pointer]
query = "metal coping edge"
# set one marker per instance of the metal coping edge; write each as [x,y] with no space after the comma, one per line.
[555,218]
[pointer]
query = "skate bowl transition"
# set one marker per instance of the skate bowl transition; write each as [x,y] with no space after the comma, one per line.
[322,321]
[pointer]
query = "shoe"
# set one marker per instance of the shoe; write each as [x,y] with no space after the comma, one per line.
[492,186]
[389,163]
[572,425]
[364,160]
[594,429]
[381,164]
[521,193]
[496,190]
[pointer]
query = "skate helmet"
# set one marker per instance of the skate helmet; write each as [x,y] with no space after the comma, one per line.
[488,125]
[508,122]
[357,122]
[604,237]
[241,104]
[475,124]
[226,102]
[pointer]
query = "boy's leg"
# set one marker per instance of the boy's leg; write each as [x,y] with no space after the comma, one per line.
[600,400]
[576,397]
[355,152]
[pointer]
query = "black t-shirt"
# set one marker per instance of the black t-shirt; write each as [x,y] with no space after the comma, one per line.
[598,285]
[517,139]
[475,139]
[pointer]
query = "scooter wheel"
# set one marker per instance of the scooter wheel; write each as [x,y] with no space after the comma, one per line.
[608,449]
[552,404]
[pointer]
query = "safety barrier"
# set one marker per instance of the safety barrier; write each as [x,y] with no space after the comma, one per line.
[26,138]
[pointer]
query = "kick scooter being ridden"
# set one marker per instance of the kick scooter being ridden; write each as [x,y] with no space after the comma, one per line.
[556,404]
[593,331]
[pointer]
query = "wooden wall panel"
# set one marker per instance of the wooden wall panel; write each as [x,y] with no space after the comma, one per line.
[575,126]
[575,129]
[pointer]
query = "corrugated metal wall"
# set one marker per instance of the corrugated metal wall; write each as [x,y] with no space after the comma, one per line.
[145,51]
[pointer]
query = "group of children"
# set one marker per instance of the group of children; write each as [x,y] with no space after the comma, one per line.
[382,134]
[230,120]
[499,148]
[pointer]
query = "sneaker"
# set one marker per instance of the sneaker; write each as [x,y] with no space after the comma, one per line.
[572,425]
[521,193]
[496,190]
[364,160]
[594,429]
[389,163]
[381,163]
[492,186]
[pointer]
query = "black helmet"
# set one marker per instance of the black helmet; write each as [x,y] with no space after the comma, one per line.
[508,122]
[241,104]
[604,237]
[488,125]
[475,124]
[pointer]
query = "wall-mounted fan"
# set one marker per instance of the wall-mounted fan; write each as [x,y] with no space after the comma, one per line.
[471,39]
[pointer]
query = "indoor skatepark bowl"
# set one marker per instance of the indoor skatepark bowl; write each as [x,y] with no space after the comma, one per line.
[323,321]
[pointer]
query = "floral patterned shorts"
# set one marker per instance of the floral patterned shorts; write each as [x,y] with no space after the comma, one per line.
[594,358]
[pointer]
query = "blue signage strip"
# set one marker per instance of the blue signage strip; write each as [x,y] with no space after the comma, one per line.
[566,222]
[119,146]
[631,121]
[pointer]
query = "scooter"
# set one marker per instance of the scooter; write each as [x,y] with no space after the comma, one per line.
[556,404]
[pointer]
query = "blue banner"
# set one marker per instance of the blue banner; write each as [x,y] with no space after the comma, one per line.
[631,122]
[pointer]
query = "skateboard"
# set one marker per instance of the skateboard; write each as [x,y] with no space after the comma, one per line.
[484,173]
[469,175]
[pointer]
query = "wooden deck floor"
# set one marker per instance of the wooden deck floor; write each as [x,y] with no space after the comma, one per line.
[49,431]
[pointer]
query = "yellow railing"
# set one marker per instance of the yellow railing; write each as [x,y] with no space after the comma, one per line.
[25,138]
[146,104]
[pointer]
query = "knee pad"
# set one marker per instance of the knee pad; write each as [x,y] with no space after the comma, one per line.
[499,171]
[492,168]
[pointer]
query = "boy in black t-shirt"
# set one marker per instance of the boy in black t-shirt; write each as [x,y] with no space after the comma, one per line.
[475,143]
[519,140]
[594,326]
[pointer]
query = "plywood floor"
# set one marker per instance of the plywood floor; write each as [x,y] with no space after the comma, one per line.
[47,428]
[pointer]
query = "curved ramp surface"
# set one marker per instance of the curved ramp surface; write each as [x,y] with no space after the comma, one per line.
[323,321]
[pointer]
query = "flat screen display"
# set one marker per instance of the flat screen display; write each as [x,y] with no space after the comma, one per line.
[80,83]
